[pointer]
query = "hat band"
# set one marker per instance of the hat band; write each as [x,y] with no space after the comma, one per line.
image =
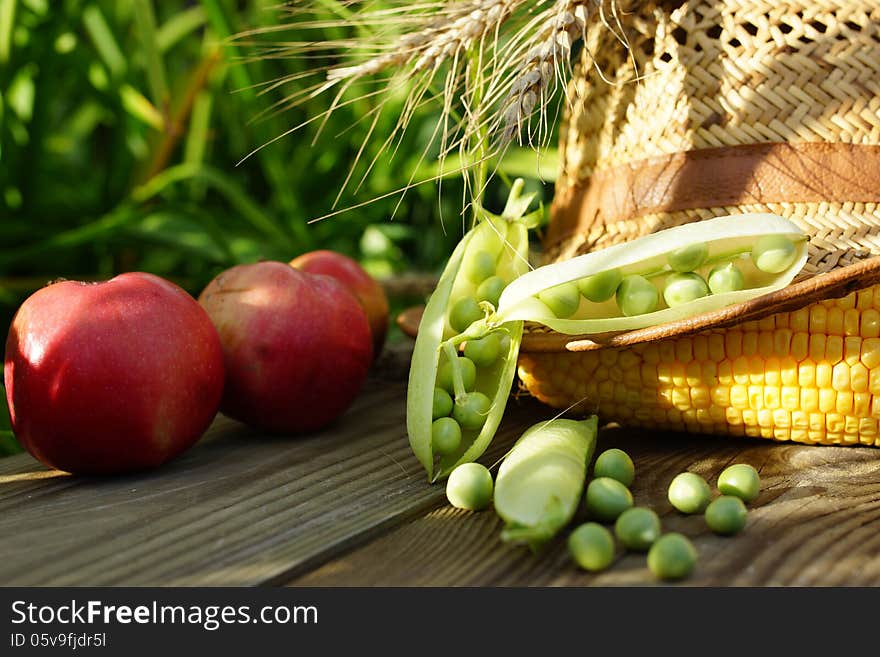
[718,177]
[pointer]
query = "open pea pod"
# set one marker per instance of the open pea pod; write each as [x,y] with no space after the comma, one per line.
[468,395]
[662,277]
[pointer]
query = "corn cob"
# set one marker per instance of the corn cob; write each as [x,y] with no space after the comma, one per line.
[809,376]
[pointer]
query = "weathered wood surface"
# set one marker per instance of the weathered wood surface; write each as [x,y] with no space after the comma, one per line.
[351,506]
[816,522]
[237,509]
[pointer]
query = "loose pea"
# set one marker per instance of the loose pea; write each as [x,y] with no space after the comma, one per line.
[773,254]
[480,266]
[607,498]
[672,557]
[562,300]
[469,487]
[740,480]
[726,278]
[726,515]
[468,374]
[591,546]
[465,312]
[684,287]
[637,528]
[688,258]
[490,290]
[442,403]
[483,351]
[445,435]
[617,464]
[470,411]
[636,295]
[600,287]
[689,493]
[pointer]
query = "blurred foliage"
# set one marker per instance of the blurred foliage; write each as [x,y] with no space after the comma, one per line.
[123,126]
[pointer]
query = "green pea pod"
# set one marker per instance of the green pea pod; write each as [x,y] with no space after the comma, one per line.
[727,240]
[505,239]
[541,480]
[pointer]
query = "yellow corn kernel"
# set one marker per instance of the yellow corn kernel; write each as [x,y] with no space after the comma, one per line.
[772,371]
[788,371]
[818,320]
[870,353]
[799,320]
[733,344]
[869,326]
[840,377]
[827,400]
[800,346]
[789,397]
[817,347]
[824,375]
[844,403]
[834,349]
[851,321]
[716,347]
[834,321]
[852,350]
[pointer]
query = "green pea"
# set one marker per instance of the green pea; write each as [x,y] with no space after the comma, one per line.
[445,435]
[600,287]
[688,258]
[483,351]
[607,498]
[689,493]
[479,267]
[636,295]
[470,411]
[469,487]
[726,515]
[464,312]
[672,557]
[617,464]
[683,288]
[740,480]
[637,528]
[563,300]
[591,546]
[442,403]
[490,290]
[773,254]
[468,374]
[726,278]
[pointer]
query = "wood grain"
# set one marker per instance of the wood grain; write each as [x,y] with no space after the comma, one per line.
[238,509]
[816,523]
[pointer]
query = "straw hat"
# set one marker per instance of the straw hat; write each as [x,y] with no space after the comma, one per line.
[740,106]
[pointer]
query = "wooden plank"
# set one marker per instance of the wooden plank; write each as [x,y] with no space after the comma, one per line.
[816,523]
[238,509]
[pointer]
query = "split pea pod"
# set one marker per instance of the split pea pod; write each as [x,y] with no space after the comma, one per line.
[489,256]
[541,480]
[662,277]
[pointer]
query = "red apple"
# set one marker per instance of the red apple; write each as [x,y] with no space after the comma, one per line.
[111,377]
[297,346]
[359,282]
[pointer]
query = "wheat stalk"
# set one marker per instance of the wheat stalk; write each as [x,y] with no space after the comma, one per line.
[492,64]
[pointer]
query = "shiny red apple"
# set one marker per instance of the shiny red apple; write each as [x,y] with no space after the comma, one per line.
[358,281]
[111,377]
[297,346]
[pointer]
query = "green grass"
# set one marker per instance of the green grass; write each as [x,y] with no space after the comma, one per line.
[124,126]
